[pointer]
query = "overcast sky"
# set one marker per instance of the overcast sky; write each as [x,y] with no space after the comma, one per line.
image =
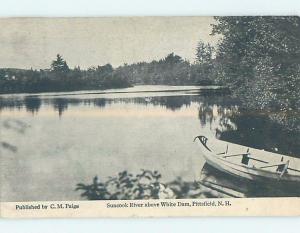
[34,42]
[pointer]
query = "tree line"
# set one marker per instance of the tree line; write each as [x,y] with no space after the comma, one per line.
[60,78]
[170,70]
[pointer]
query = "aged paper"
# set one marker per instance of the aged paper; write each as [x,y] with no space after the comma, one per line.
[149,116]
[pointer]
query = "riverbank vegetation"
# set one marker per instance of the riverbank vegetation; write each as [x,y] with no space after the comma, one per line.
[258,58]
[145,185]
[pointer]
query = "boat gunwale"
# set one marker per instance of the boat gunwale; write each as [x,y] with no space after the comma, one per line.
[253,168]
[258,173]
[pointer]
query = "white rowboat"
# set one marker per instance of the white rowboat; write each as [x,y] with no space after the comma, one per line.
[249,163]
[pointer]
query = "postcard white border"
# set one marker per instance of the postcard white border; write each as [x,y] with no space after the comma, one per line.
[153,208]
[150,7]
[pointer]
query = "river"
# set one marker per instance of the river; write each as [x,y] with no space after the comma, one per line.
[52,141]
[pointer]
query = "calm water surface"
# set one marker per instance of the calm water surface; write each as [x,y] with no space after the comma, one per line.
[52,141]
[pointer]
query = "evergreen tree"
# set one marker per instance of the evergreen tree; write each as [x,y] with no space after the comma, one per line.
[59,65]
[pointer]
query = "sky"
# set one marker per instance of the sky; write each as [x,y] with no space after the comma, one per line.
[34,42]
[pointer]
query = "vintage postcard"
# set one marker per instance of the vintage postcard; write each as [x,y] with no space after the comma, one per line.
[150,116]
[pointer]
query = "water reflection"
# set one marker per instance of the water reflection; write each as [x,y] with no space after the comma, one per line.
[238,187]
[32,104]
[233,125]
[256,130]
[101,102]
[172,103]
[11,103]
[60,105]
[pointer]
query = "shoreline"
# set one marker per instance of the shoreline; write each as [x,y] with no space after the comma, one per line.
[118,91]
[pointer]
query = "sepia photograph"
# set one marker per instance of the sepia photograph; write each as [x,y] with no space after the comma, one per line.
[142,108]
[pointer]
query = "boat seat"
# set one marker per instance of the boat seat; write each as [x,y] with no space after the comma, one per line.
[245,159]
[282,168]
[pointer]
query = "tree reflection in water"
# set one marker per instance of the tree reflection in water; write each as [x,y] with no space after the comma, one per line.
[32,104]
[231,123]
[256,130]
[252,129]
[60,105]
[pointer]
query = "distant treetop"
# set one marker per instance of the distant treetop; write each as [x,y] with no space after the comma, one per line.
[59,65]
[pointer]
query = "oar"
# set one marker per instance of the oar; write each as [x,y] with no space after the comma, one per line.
[285,168]
[227,156]
[275,165]
[258,160]
[247,153]
[292,169]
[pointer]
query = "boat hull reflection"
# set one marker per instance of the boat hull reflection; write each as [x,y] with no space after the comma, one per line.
[231,186]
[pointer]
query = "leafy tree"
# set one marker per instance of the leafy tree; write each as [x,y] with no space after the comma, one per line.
[204,52]
[106,69]
[203,72]
[145,185]
[172,59]
[125,186]
[259,59]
